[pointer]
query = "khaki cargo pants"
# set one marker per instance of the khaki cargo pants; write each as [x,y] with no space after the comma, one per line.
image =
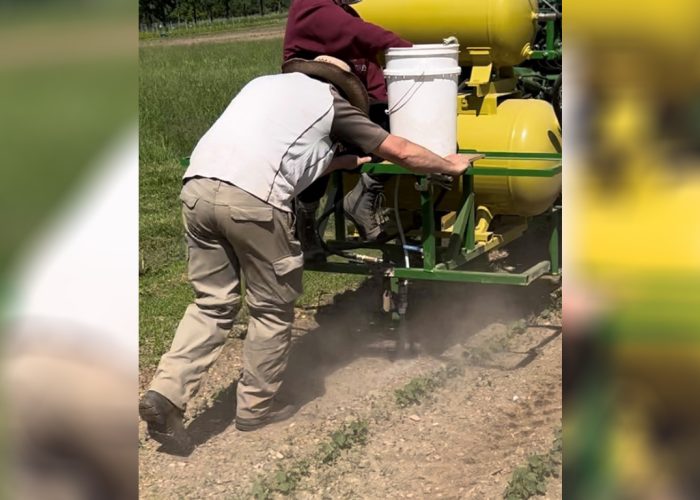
[230,232]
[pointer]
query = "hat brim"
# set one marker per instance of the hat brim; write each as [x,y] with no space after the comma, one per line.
[348,83]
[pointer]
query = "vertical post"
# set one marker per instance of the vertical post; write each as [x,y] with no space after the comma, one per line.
[399,292]
[426,203]
[470,238]
[554,256]
[550,35]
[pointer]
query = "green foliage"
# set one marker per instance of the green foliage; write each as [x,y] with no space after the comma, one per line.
[285,480]
[531,479]
[419,388]
[157,12]
[344,438]
[415,391]
[519,327]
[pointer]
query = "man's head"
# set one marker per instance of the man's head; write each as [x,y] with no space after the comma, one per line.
[335,72]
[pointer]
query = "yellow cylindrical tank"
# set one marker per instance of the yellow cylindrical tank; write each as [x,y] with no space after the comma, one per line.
[518,126]
[507,27]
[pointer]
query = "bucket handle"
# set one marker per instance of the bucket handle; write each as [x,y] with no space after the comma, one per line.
[403,101]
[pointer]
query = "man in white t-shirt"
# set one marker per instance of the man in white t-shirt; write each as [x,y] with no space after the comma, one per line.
[278,135]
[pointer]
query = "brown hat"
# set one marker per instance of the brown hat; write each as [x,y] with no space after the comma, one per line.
[336,72]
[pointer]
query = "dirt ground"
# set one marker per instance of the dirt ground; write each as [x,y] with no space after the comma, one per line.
[464,440]
[262,33]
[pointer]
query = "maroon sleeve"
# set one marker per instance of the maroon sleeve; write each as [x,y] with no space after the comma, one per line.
[376,86]
[322,27]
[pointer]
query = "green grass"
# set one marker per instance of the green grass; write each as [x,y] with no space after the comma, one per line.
[276,19]
[183,90]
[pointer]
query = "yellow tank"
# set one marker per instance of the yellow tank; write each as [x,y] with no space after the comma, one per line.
[518,126]
[507,27]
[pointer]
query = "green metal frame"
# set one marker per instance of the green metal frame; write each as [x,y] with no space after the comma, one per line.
[552,48]
[462,247]
[446,263]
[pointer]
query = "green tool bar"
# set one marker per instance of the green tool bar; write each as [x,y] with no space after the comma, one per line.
[513,156]
[387,168]
[546,54]
[514,172]
[521,279]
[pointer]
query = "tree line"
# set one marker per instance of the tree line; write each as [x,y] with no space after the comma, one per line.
[164,11]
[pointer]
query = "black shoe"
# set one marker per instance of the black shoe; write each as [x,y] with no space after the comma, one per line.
[277,414]
[306,231]
[364,207]
[165,424]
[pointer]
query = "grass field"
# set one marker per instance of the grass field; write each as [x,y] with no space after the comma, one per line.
[183,89]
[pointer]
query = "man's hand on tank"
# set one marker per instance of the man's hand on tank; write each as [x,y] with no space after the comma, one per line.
[461,162]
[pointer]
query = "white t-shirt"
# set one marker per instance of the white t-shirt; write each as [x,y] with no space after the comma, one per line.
[272,141]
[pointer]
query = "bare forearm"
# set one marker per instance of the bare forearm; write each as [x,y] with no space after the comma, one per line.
[414,157]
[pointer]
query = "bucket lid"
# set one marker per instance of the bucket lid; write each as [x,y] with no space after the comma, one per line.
[422,72]
[422,49]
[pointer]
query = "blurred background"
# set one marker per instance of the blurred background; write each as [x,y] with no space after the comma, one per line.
[69,249]
[632,250]
[69,261]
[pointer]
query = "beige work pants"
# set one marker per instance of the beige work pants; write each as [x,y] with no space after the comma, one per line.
[230,232]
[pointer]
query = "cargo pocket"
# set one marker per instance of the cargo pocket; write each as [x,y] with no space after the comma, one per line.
[251,214]
[289,271]
[188,200]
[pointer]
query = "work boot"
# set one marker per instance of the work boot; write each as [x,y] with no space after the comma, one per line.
[280,411]
[363,207]
[165,423]
[306,231]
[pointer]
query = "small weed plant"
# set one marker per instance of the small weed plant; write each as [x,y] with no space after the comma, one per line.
[531,479]
[419,389]
[286,480]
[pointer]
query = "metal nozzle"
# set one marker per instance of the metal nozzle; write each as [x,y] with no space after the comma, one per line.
[547,16]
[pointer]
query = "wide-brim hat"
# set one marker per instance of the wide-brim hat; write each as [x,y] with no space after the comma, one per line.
[337,73]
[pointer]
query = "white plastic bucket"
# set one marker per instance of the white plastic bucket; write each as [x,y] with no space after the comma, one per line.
[422,86]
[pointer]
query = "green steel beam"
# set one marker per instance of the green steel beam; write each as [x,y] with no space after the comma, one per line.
[514,172]
[386,168]
[550,31]
[469,239]
[428,225]
[520,279]
[554,244]
[546,54]
[459,229]
[513,155]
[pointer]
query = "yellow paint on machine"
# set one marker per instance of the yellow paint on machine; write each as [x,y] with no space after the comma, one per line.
[518,126]
[506,27]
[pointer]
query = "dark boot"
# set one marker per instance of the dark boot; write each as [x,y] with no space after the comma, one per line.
[279,412]
[165,424]
[363,207]
[306,231]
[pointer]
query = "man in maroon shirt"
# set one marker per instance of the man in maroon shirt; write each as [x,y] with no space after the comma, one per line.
[316,27]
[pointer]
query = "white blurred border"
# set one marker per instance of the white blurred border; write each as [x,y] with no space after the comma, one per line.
[83,269]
